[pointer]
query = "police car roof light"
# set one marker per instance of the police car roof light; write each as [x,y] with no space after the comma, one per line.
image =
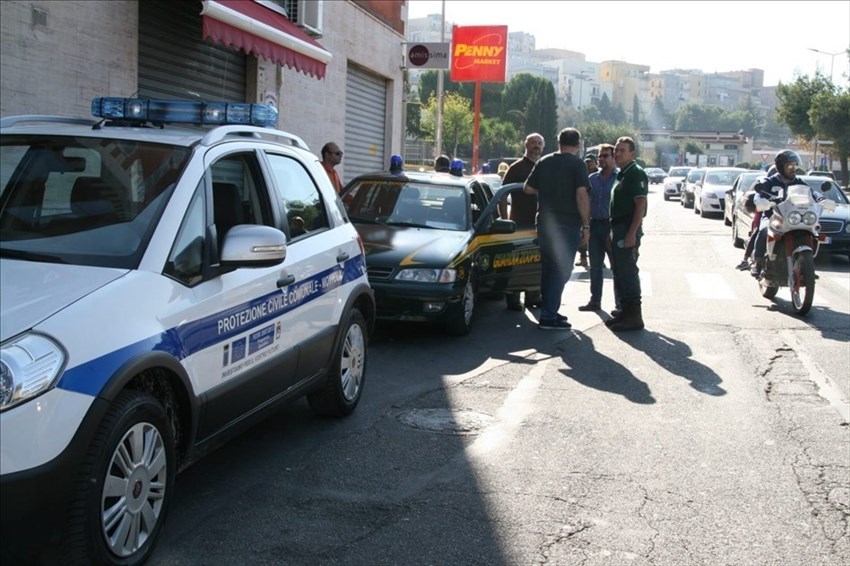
[456,167]
[396,164]
[184,112]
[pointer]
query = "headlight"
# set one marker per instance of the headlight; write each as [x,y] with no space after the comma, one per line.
[810,218]
[795,217]
[29,366]
[427,275]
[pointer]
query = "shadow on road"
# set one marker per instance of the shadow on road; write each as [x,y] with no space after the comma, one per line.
[675,356]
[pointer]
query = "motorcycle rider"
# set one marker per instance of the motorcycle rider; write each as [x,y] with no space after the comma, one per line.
[774,188]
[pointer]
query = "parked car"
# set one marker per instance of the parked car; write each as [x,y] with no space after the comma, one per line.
[834,231]
[709,194]
[743,182]
[164,287]
[674,180]
[696,175]
[434,244]
[656,175]
[814,173]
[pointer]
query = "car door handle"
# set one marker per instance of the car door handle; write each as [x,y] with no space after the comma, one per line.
[343,256]
[285,280]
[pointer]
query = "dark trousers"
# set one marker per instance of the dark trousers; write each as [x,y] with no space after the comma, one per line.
[597,245]
[626,275]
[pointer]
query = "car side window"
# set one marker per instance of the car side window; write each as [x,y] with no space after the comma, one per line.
[239,194]
[301,200]
[186,260]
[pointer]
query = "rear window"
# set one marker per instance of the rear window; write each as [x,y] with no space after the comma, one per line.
[87,201]
[680,172]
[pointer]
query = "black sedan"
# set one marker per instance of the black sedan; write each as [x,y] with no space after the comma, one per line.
[434,242]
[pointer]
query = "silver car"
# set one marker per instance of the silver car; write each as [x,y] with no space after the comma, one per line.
[710,193]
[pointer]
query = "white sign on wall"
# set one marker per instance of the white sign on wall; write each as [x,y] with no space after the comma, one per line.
[428,55]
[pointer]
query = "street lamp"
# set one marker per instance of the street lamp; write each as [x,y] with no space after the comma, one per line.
[832,60]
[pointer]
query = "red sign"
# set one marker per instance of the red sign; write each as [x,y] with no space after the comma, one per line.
[479,53]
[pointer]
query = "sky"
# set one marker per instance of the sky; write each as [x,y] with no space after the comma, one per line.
[775,36]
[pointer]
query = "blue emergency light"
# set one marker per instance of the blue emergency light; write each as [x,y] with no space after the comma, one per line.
[184,112]
[456,168]
[396,164]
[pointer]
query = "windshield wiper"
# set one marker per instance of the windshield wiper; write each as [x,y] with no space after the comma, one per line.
[30,256]
[411,224]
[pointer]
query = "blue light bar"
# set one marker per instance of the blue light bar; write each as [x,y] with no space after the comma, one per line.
[184,112]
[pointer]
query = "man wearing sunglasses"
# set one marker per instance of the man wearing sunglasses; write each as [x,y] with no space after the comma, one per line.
[331,157]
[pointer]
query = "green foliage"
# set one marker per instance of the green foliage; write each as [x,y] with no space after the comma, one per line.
[830,118]
[692,146]
[665,147]
[457,121]
[595,133]
[636,112]
[497,138]
[659,118]
[541,112]
[795,101]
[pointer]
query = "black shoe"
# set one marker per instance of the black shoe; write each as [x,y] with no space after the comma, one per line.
[744,265]
[591,306]
[616,316]
[755,270]
[560,323]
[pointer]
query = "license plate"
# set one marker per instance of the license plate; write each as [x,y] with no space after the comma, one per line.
[825,239]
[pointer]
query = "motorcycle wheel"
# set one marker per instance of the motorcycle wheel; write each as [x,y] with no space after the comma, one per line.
[801,280]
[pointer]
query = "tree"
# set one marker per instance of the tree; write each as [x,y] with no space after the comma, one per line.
[830,119]
[659,118]
[636,112]
[541,114]
[595,133]
[498,138]
[700,118]
[663,150]
[457,121]
[517,93]
[795,101]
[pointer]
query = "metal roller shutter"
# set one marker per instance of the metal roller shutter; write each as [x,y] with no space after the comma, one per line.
[365,123]
[175,62]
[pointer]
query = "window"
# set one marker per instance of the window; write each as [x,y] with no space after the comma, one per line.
[300,200]
[239,194]
[186,260]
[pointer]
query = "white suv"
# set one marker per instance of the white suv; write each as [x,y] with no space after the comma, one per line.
[162,288]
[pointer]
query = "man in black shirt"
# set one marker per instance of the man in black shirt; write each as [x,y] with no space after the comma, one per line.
[563,220]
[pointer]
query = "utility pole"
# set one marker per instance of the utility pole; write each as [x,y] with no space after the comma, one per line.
[438,133]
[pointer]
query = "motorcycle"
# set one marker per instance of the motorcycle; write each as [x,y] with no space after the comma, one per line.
[792,244]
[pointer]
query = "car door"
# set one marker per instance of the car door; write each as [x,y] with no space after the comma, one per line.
[507,259]
[236,324]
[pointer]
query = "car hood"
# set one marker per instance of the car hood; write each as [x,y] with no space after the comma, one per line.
[34,291]
[841,212]
[407,246]
[719,190]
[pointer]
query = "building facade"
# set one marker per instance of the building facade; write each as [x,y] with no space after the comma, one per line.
[332,69]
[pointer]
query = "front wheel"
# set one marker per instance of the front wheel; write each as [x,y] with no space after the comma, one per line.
[344,383]
[801,280]
[460,319]
[125,487]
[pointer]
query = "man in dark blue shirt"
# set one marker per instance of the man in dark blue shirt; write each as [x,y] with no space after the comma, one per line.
[601,182]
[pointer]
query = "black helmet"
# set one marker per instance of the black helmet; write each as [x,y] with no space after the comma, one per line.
[785,157]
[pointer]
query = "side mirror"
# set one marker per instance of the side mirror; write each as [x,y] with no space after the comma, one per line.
[502,226]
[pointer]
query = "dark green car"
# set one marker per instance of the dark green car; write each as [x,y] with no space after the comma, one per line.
[434,243]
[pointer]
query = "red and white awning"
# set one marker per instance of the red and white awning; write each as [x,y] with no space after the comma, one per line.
[247,25]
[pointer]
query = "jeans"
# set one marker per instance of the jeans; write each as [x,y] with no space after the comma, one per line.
[761,239]
[626,275]
[599,232]
[558,244]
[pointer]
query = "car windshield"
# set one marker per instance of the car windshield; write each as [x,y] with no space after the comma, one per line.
[408,203]
[827,188]
[678,172]
[695,175]
[721,177]
[83,201]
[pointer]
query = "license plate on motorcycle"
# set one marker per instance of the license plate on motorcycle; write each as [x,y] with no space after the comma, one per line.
[825,239]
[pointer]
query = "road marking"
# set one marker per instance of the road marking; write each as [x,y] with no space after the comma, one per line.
[709,286]
[843,282]
[509,417]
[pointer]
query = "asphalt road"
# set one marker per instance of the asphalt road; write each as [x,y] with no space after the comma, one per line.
[719,435]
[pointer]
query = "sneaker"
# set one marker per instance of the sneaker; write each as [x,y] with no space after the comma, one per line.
[591,306]
[743,265]
[559,323]
[581,263]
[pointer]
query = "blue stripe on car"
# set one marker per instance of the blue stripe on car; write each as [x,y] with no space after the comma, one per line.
[194,336]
